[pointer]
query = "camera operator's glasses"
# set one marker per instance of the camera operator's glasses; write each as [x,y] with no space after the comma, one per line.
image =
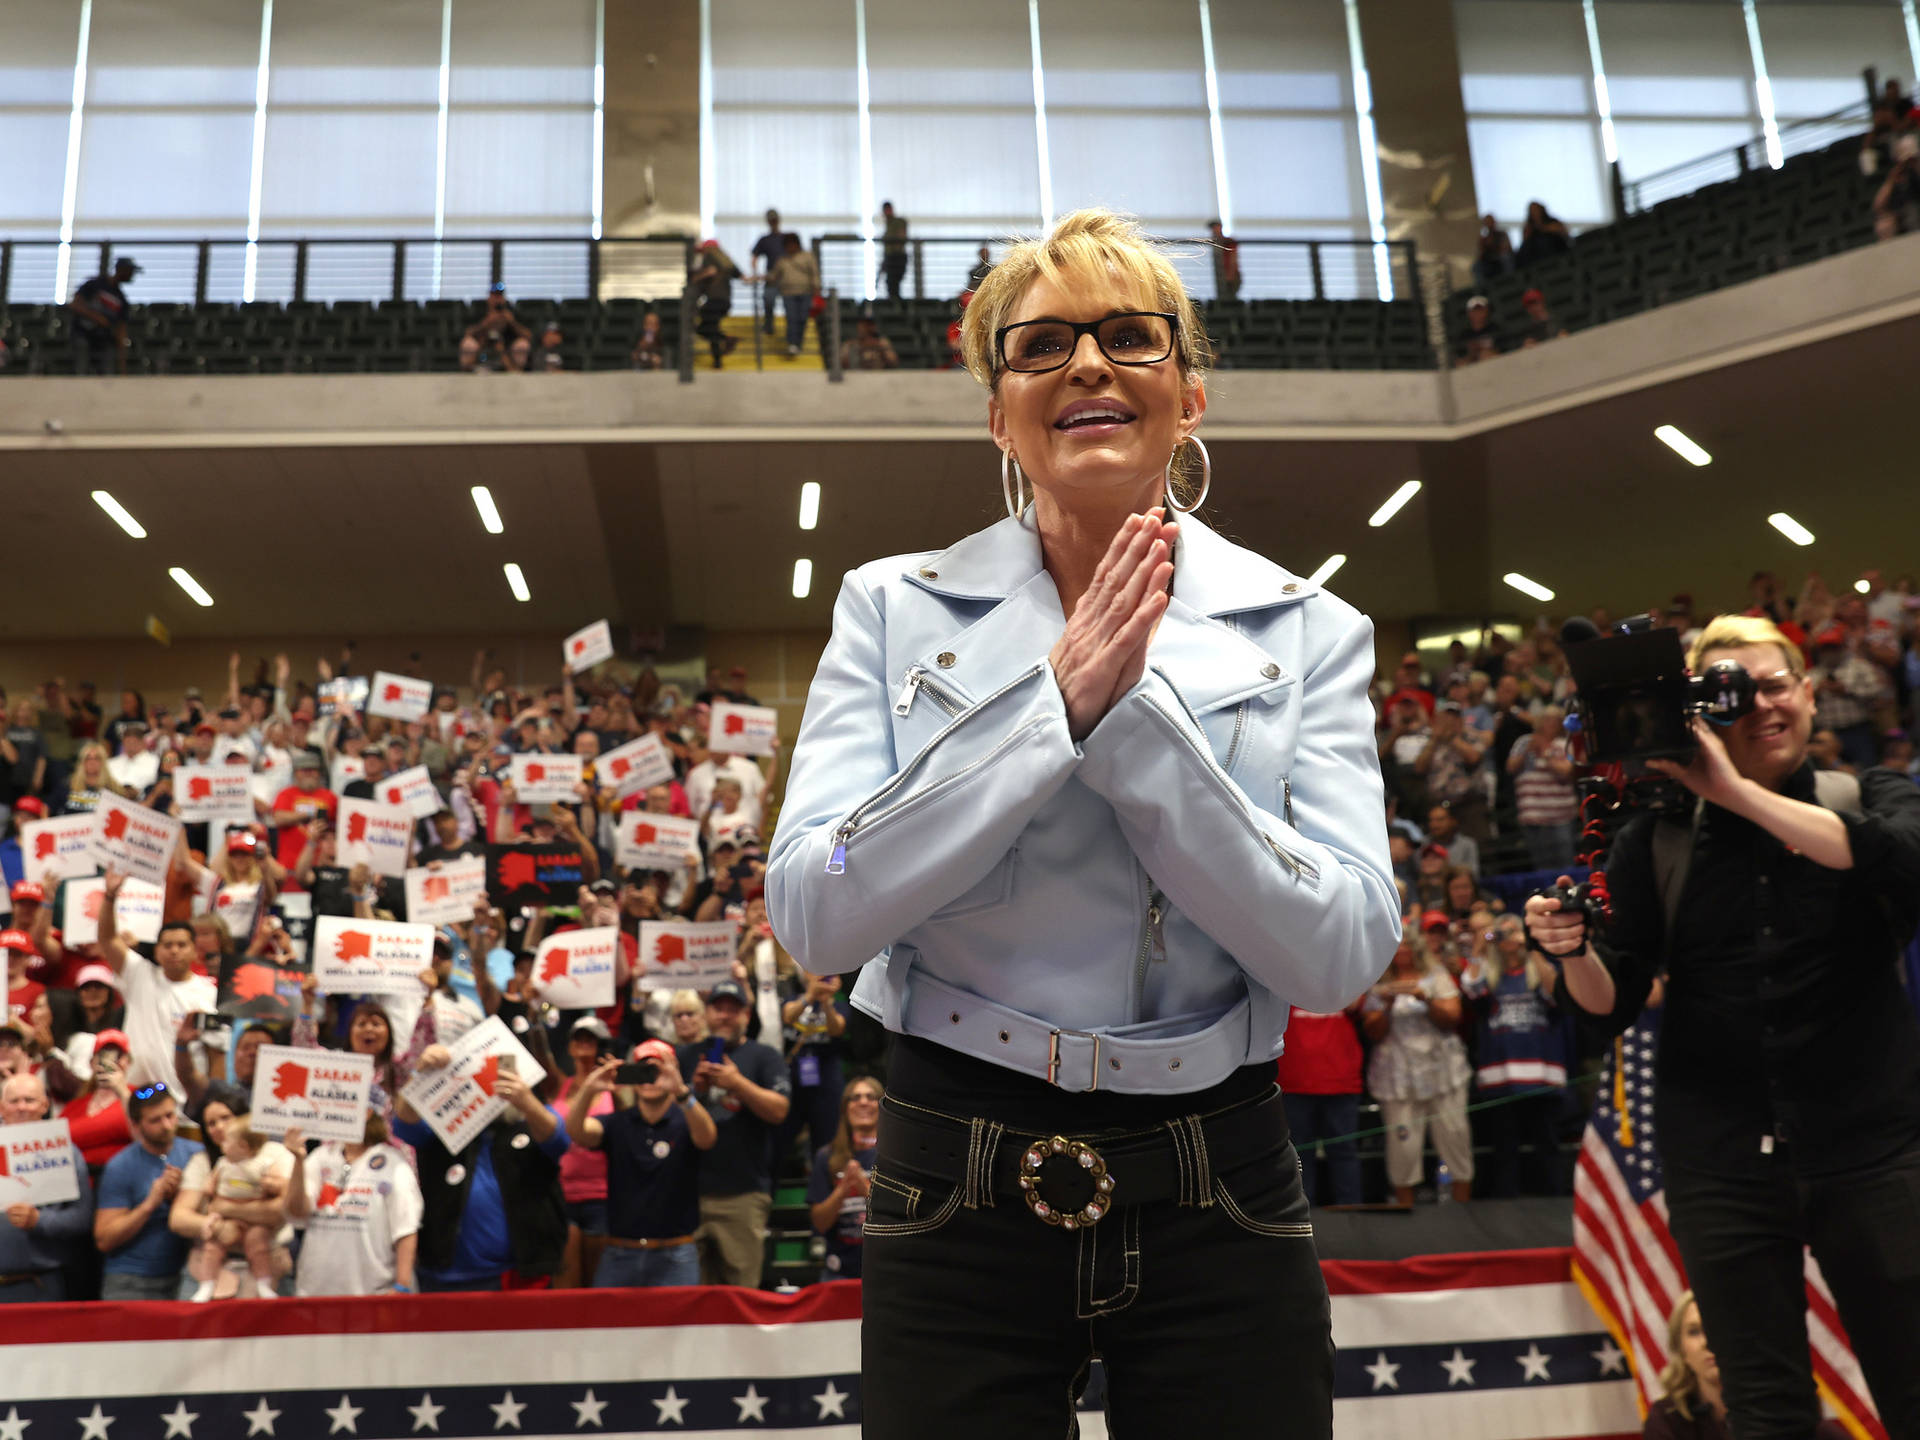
[1135,337]
[1777,686]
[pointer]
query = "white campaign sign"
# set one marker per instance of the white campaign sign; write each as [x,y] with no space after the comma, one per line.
[370,957]
[349,692]
[458,1101]
[411,790]
[574,969]
[586,648]
[637,765]
[134,839]
[214,792]
[37,1164]
[680,956]
[654,842]
[137,912]
[399,697]
[742,729]
[323,1093]
[544,778]
[238,905]
[374,835]
[64,843]
[448,895]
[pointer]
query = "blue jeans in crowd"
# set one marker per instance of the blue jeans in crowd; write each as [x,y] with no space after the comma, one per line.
[798,308]
[1313,1118]
[676,1265]
[1549,847]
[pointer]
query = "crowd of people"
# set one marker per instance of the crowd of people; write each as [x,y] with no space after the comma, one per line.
[646,1150]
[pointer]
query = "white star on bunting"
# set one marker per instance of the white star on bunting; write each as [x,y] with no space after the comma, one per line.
[180,1422]
[94,1426]
[832,1402]
[1533,1364]
[13,1427]
[343,1416]
[1385,1375]
[1459,1369]
[506,1412]
[426,1415]
[670,1408]
[753,1406]
[260,1419]
[1613,1360]
[587,1411]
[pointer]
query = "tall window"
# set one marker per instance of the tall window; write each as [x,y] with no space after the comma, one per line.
[38,41]
[1681,81]
[1815,53]
[1526,79]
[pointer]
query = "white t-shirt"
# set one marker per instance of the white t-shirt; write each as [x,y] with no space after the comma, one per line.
[360,1213]
[135,772]
[700,782]
[155,1008]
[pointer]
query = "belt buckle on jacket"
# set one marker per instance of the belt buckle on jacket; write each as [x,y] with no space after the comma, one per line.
[1065,1182]
[1053,1056]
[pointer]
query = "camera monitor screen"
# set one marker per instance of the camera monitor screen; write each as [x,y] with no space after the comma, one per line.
[1633,692]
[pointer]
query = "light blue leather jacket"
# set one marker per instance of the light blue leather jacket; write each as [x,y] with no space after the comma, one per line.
[1135,912]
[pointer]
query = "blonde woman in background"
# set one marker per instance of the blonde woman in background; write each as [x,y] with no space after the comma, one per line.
[1694,1408]
[1418,1070]
[91,779]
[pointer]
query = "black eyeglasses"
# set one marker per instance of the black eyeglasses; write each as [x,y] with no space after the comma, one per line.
[147,1092]
[1134,337]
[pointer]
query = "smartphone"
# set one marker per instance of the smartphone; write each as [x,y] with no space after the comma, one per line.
[716,1050]
[639,1072]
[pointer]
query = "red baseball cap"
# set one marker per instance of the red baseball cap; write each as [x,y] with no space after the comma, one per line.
[112,1037]
[17,940]
[29,890]
[1434,847]
[657,1050]
[1435,920]
[241,842]
[96,974]
[30,805]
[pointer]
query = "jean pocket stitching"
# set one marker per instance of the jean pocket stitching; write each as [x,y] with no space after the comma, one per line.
[1290,1230]
[917,1226]
[909,1193]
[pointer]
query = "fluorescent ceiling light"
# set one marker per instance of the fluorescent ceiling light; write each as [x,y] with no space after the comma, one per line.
[192,586]
[809,504]
[1790,527]
[802,578]
[1528,587]
[119,513]
[1394,501]
[517,582]
[1327,567]
[1863,587]
[489,512]
[1675,440]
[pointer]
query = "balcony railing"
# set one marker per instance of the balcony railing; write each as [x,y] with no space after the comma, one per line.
[1745,158]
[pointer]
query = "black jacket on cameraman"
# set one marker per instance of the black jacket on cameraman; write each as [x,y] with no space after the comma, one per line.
[529,1181]
[1785,1015]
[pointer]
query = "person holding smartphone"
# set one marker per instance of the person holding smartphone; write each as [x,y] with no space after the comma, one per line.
[651,1141]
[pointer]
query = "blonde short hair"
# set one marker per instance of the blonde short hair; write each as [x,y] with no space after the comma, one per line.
[1086,247]
[1736,632]
[1678,1379]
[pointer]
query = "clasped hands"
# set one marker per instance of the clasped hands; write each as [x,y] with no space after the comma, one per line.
[1103,651]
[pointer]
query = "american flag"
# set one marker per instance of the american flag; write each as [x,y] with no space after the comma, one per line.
[1624,1256]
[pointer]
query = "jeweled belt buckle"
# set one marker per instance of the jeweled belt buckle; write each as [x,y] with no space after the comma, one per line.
[1065,1182]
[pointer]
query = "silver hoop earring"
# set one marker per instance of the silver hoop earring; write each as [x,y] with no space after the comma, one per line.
[1013,485]
[1206,478]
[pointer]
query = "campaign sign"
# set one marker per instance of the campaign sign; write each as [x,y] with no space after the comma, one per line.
[133,839]
[544,778]
[322,1093]
[399,697]
[374,835]
[574,969]
[412,790]
[370,957]
[654,842]
[680,956]
[742,729]
[346,694]
[137,911]
[586,648]
[36,1164]
[446,895]
[253,989]
[238,905]
[529,874]
[637,765]
[64,843]
[214,792]
[458,1100]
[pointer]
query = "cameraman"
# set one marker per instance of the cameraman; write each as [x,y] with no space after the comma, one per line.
[1788,1079]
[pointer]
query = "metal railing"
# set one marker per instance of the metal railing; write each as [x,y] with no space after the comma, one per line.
[212,271]
[940,268]
[1745,158]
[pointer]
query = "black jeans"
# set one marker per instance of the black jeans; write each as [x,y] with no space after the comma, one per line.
[981,1320]
[1318,1122]
[1507,1125]
[1742,1241]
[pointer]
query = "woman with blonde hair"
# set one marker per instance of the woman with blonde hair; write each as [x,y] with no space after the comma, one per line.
[1522,1062]
[841,1181]
[91,779]
[1418,1071]
[1089,800]
[1694,1408]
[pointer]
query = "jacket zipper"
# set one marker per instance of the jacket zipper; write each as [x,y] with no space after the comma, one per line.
[1239,714]
[1151,939]
[917,680]
[837,858]
[1302,868]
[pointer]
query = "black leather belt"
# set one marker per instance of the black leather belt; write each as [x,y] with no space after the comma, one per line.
[1073,1181]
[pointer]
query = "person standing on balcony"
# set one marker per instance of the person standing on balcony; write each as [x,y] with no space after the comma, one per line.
[712,280]
[797,278]
[769,248]
[99,309]
[893,259]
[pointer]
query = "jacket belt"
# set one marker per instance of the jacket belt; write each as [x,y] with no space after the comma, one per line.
[620,1242]
[1133,1059]
[1148,1166]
